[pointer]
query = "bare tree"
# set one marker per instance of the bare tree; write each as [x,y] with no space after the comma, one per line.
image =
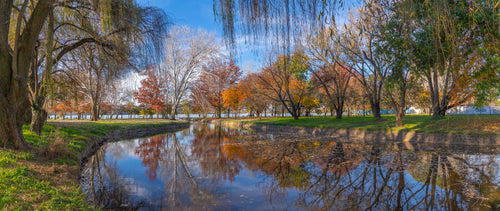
[93,71]
[186,51]
[332,74]
[361,42]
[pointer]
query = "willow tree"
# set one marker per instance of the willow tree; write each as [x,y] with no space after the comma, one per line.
[283,20]
[396,42]
[18,38]
[22,22]
[110,24]
[453,43]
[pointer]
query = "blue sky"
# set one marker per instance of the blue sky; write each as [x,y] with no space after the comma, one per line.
[199,14]
[193,13]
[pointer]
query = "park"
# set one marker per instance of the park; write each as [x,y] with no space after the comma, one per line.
[249,105]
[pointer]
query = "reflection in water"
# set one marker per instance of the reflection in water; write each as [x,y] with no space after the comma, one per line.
[210,167]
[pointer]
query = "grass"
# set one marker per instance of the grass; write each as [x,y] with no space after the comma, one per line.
[454,124]
[46,176]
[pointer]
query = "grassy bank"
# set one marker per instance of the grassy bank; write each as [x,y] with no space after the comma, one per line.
[45,177]
[455,124]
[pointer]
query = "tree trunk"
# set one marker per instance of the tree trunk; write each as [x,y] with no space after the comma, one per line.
[399,112]
[338,112]
[38,120]
[435,107]
[11,133]
[172,114]
[376,109]
[95,112]
[14,68]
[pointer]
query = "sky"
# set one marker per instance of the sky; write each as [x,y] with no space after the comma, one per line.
[199,14]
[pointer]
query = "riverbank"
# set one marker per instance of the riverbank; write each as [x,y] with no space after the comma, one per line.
[451,124]
[46,177]
[451,130]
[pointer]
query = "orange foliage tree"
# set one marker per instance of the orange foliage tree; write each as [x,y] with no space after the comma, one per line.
[233,97]
[252,92]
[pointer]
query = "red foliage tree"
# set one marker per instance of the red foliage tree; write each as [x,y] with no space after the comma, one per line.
[151,94]
[216,78]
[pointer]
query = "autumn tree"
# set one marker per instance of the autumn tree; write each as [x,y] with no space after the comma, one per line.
[152,93]
[200,102]
[333,81]
[309,102]
[232,98]
[253,95]
[331,75]
[217,77]
[284,81]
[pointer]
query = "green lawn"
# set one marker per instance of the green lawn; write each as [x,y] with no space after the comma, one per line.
[459,124]
[46,177]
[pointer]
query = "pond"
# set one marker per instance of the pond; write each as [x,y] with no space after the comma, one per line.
[208,167]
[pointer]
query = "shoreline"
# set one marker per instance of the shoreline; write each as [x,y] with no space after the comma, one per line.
[47,176]
[363,136]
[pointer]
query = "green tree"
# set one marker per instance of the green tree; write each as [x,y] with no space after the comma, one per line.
[448,51]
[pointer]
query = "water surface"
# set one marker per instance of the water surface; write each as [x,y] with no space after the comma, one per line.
[209,167]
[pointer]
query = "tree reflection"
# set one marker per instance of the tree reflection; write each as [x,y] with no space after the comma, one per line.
[208,149]
[152,151]
[191,168]
[336,175]
[105,185]
[184,191]
[165,159]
